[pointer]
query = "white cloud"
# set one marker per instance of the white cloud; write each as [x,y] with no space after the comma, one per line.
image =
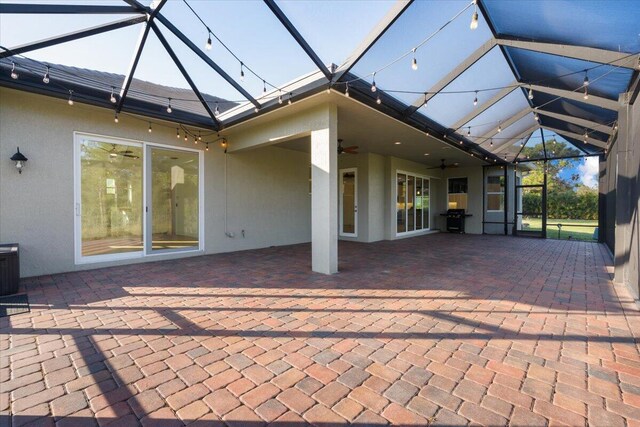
[589,172]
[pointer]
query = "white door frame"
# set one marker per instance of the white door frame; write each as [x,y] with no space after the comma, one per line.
[146,199]
[355,202]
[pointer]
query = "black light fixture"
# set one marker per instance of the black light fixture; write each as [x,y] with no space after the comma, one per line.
[20,160]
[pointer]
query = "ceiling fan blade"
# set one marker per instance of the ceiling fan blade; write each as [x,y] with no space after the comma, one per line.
[130,156]
[352,147]
[451,166]
[125,152]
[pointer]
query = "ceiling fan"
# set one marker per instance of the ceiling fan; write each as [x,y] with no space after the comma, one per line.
[124,153]
[444,166]
[349,150]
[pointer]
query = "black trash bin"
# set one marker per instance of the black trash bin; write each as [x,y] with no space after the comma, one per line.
[9,269]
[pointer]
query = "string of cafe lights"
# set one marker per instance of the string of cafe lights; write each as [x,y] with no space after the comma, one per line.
[281,90]
[182,131]
[474,25]
[414,66]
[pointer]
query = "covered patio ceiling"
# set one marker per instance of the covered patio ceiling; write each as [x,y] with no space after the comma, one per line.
[529,72]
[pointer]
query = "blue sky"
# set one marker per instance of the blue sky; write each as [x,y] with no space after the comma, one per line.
[247,27]
[332,28]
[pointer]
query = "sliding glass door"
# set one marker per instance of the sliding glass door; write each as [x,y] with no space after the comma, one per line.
[174,199]
[412,203]
[114,178]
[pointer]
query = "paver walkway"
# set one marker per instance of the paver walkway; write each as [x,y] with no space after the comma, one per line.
[441,329]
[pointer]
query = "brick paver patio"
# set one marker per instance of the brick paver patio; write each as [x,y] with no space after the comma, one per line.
[439,329]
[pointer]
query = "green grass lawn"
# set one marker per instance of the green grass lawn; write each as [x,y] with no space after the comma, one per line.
[577,229]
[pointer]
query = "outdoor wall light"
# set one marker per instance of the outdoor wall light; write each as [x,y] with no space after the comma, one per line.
[20,160]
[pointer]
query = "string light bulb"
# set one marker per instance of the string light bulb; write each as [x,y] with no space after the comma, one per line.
[586,93]
[256,110]
[112,98]
[264,86]
[209,44]
[414,61]
[241,71]
[45,78]
[585,83]
[499,127]
[216,112]
[535,116]
[378,100]
[289,100]
[14,73]
[474,17]
[280,99]
[70,101]
[530,93]
[169,109]
[115,118]
[586,136]
[186,137]
[207,147]
[475,100]
[346,90]
[469,131]
[200,137]
[373,85]
[491,142]
[178,133]
[150,130]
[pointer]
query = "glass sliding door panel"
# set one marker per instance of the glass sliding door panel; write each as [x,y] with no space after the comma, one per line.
[410,203]
[349,202]
[110,198]
[401,203]
[425,204]
[174,182]
[418,203]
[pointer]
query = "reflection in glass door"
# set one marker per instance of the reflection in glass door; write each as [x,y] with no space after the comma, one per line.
[348,203]
[108,199]
[174,200]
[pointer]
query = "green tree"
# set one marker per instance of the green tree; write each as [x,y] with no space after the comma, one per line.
[567,198]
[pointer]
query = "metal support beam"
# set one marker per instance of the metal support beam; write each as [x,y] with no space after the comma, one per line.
[578,121]
[506,143]
[451,76]
[511,120]
[271,4]
[598,101]
[206,59]
[137,5]
[485,106]
[142,38]
[591,141]
[601,56]
[389,19]
[72,36]
[67,9]
[184,72]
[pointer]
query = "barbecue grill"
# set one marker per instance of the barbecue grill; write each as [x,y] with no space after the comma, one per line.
[455,220]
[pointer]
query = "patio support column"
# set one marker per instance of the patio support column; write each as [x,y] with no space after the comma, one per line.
[324,195]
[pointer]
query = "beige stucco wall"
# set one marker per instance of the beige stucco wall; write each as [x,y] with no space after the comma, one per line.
[268,188]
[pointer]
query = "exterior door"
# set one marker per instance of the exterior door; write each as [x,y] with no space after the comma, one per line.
[349,202]
[173,200]
[531,210]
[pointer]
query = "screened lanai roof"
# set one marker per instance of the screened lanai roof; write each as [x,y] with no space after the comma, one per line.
[531,72]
